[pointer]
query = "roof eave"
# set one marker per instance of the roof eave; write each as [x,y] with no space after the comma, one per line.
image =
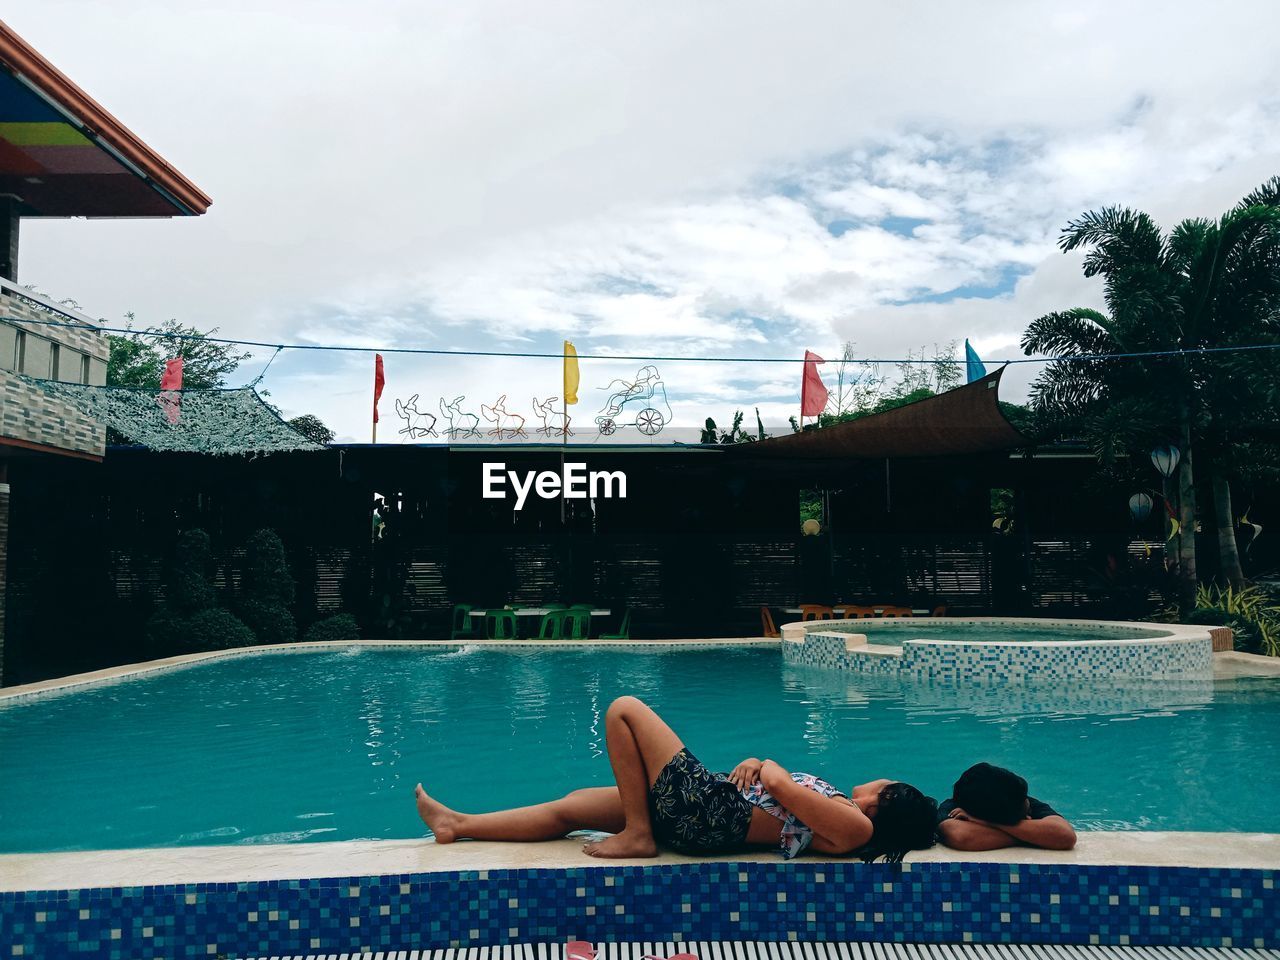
[96,123]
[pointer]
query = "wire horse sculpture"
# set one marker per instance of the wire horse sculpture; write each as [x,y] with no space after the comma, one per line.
[414,419]
[553,421]
[507,425]
[461,423]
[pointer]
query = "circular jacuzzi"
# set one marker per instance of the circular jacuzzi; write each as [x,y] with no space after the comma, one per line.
[1002,649]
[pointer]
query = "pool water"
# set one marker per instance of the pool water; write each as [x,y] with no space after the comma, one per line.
[328,746]
[893,632]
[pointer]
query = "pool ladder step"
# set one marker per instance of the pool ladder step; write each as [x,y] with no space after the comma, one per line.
[797,950]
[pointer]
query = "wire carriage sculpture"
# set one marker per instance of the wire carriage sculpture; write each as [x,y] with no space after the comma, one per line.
[645,398]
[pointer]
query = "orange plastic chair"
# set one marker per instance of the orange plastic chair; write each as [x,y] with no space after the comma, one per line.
[939,611]
[893,612]
[767,624]
[850,611]
[816,611]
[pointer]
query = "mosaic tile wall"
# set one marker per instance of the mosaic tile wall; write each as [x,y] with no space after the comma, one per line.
[925,902]
[1129,659]
[1012,663]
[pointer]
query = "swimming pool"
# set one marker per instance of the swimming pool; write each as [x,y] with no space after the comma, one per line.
[309,746]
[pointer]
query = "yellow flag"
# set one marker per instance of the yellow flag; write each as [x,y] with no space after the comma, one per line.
[570,373]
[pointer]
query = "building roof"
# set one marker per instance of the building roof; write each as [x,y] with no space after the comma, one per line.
[63,155]
[965,420]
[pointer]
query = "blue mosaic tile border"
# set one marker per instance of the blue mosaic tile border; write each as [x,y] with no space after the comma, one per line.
[944,902]
[1000,663]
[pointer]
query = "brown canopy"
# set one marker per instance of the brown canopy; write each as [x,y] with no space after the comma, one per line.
[961,421]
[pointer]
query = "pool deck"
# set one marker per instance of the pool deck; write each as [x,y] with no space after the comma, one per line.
[261,862]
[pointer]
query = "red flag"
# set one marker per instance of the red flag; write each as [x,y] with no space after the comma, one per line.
[171,379]
[813,393]
[170,382]
[379,381]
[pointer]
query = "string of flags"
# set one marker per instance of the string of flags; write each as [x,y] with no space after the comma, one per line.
[640,402]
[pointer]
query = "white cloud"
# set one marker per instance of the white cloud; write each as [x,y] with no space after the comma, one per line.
[673,178]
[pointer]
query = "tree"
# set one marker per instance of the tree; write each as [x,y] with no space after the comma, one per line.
[137,358]
[267,590]
[735,434]
[857,385]
[863,393]
[1204,285]
[190,619]
[313,428]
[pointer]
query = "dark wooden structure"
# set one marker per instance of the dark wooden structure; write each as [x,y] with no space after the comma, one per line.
[929,504]
[705,536]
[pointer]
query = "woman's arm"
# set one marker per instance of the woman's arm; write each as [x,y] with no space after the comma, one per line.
[841,826]
[746,773]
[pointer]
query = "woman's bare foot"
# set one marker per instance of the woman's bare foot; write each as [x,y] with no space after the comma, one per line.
[623,846]
[442,821]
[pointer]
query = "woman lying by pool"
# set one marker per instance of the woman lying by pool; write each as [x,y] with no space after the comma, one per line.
[664,795]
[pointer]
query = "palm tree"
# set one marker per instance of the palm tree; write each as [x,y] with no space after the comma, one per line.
[1203,286]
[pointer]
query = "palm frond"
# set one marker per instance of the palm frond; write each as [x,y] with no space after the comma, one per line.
[1121,237]
[1077,332]
[1267,195]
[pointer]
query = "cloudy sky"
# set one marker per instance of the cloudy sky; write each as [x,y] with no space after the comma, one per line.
[741,179]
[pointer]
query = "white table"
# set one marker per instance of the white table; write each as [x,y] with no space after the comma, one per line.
[877,607]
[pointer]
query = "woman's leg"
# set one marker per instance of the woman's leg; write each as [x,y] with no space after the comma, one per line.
[640,745]
[594,808]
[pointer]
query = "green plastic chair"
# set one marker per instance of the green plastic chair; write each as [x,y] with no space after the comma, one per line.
[500,624]
[624,631]
[463,628]
[577,622]
[552,626]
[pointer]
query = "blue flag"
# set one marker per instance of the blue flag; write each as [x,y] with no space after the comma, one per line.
[974,366]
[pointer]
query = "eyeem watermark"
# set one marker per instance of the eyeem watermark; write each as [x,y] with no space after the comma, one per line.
[574,482]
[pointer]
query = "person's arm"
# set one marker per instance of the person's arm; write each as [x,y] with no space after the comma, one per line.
[963,831]
[840,826]
[746,773]
[966,835]
[1048,833]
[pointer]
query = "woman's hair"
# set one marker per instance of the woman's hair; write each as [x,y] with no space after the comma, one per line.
[992,793]
[905,820]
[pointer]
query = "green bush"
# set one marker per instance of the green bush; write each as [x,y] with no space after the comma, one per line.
[270,622]
[1210,617]
[1249,611]
[215,629]
[341,627]
[266,575]
[190,589]
[164,633]
[267,590]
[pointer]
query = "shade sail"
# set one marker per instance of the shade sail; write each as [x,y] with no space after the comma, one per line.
[217,421]
[965,420]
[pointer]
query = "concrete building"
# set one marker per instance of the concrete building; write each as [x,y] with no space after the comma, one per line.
[61,155]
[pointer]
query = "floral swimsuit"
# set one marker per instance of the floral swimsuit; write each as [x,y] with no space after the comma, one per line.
[696,811]
[796,835]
